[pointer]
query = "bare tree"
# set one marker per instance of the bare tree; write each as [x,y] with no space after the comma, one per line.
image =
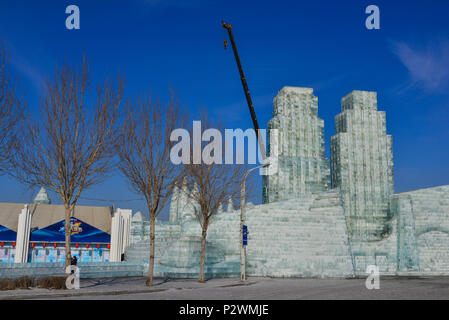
[71,146]
[144,151]
[11,112]
[210,186]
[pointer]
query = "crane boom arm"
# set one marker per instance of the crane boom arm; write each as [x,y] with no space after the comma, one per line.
[228,27]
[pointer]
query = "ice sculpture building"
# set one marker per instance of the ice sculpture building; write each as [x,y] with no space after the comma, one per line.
[302,161]
[319,218]
[362,165]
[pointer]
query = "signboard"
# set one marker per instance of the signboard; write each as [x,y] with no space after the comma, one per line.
[61,255]
[245,235]
[4,255]
[52,255]
[97,255]
[85,256]
[106,256]
[81,233]
[39,255]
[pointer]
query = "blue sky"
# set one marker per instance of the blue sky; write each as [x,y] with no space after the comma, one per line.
[321,44]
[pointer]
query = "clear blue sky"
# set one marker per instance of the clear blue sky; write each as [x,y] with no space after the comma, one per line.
[319,44]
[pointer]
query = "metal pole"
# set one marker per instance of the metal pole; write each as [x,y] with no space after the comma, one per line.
[242,223]
[243,220]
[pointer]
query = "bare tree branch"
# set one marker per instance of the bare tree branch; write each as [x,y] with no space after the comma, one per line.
[11,112]
[144,151]
[71,146]
[211,186]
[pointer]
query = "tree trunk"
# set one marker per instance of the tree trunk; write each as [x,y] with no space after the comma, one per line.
[203,253]
[68,232]
[149,282]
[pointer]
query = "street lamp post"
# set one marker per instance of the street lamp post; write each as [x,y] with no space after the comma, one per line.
[243,220]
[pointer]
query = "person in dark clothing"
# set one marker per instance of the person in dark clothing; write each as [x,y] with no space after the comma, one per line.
[73,262]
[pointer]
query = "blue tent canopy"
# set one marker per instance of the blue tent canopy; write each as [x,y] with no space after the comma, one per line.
[81,233]
[7,234]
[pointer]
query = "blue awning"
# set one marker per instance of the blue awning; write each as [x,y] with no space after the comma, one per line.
[7,234]
[81,233]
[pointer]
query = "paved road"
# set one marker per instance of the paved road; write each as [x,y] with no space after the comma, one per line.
[256,288]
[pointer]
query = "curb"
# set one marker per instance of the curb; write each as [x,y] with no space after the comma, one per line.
[81,294]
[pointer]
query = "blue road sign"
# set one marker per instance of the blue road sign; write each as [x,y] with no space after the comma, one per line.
[245,235]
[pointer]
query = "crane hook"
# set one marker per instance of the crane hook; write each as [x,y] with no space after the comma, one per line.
[225,43]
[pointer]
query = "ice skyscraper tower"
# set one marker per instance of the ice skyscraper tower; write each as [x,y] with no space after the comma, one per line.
[362,165]
[303,167]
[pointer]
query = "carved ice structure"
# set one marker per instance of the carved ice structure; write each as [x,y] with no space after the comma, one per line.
[305,228]
[303,167]
[362,165]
